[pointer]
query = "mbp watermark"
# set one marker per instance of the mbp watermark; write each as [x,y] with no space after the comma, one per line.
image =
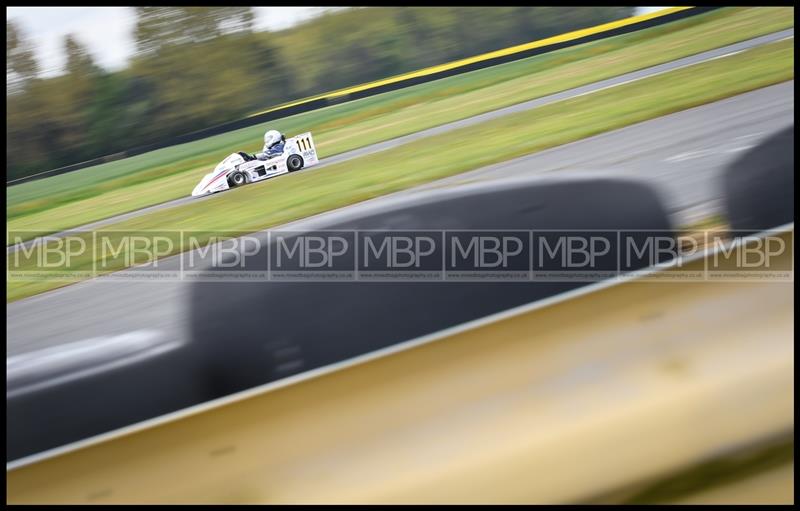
[582,256]
[136,255]
[224,256]
[742,256]
[318,255]
[455,255]
[34,256]
[399,255]
[502,256]
[642,251]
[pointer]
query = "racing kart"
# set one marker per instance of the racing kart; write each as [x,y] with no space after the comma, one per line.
[241,168]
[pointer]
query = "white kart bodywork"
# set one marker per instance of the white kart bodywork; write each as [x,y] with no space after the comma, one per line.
[258,170]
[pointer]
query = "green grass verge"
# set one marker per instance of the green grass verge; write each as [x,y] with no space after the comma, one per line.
[296,196]
[91,194]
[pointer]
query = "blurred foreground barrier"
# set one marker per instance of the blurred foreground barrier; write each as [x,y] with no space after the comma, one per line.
[322,322]
[566,400]
[759,186]
[248,333]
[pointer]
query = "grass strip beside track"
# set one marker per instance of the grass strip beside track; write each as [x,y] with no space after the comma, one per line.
[81,197]
[300,195]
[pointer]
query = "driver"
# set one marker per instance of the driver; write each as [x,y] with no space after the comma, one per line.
[273,145]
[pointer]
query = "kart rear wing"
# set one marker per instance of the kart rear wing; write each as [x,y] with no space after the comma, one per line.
[306,147]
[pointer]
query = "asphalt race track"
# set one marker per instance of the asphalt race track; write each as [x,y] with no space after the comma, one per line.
[527,105]
[682,154]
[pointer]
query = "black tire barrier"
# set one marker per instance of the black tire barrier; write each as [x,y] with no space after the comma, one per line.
[245,334]
[94,404]
[326,322]
[759,186]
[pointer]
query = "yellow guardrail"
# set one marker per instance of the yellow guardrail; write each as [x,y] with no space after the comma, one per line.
[559,401]
[570,36]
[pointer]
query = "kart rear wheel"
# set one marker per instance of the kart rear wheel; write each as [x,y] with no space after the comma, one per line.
[237,179]
[294,162]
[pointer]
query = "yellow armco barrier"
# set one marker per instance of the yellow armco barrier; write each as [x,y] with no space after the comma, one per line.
[615,385]
[569,36]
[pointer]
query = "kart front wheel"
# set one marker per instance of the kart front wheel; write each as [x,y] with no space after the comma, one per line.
[237,179]
[294,162]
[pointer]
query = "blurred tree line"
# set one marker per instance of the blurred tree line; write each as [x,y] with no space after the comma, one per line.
[195,67]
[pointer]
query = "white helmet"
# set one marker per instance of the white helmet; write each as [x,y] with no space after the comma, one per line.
[271,138]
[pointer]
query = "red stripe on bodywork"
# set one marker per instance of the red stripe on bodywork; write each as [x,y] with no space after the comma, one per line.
[218,176]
